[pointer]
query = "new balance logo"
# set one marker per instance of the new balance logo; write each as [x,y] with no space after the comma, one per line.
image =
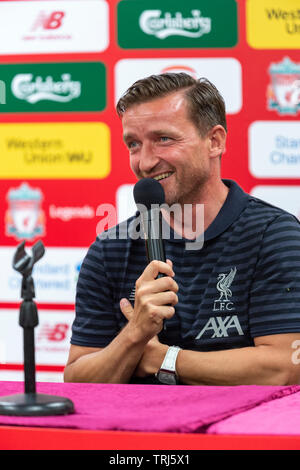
[219,327]
[48,21]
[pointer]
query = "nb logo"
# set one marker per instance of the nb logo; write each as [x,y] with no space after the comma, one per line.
[218,327]
[48,21]
[56,333]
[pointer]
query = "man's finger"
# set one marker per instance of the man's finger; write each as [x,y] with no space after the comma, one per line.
[154,268]
[126,308]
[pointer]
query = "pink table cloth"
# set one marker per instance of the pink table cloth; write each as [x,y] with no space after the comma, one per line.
[148,408]
[277,417]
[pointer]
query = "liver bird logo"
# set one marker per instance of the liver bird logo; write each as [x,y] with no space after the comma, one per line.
[225,281]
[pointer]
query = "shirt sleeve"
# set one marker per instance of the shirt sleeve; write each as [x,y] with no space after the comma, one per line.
[95,322]
[274,305]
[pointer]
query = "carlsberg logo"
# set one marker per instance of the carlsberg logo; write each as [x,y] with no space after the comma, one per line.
[152,22]
[25,87]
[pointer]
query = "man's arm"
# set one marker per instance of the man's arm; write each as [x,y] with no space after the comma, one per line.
[117,362]
[270,362]
[112,364]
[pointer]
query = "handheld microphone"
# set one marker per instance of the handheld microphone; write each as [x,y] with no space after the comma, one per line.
[149,195]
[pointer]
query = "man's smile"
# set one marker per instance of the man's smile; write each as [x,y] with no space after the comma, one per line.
[162,176]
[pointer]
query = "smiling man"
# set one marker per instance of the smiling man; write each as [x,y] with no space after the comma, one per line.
[226,314]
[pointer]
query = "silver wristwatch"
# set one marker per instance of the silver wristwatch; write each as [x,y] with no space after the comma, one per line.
[167,372]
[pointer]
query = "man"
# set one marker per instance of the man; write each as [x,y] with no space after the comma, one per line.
[228,313]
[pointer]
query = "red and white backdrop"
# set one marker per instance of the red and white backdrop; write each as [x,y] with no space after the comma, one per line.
[63,65]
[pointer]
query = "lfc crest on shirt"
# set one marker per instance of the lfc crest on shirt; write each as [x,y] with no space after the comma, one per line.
[224,301]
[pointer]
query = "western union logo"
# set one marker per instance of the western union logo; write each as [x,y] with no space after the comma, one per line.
[273,24]
[55,150]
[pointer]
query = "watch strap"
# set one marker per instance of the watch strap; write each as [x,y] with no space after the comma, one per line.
[169,362]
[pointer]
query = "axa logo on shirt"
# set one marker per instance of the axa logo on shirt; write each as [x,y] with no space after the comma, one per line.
[220,326]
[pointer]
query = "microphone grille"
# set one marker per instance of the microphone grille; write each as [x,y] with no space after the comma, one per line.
[148,191]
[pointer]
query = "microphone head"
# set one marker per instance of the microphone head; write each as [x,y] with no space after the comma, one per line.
[148,191]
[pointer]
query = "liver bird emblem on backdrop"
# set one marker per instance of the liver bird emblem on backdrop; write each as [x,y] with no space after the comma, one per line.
[225,281]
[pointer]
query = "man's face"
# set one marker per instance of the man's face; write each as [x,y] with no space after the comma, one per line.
[165,144]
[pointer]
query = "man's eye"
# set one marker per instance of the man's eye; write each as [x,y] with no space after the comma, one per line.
[164,138]
[132,144]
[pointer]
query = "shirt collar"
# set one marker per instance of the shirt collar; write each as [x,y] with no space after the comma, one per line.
[234,204]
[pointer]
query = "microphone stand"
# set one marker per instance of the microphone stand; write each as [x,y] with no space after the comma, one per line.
[31,403]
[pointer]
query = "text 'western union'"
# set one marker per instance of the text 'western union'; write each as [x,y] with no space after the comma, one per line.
[55,150]
[40,145]
[287,16]
[273,24]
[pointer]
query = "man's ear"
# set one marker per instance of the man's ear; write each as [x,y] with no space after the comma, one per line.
[217,136]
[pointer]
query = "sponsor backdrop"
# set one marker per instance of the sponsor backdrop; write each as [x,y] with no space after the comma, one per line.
[63,66]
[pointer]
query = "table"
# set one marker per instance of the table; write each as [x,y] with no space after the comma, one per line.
[29,438]
[159,417]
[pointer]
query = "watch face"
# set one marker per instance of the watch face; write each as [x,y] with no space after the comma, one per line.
[167,378]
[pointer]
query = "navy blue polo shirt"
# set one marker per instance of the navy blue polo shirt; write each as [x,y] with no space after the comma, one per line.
[243,283]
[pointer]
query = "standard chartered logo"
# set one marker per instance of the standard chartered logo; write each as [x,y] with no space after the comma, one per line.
[153,22]
[32,89]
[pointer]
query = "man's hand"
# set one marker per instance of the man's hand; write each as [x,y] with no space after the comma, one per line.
[154,351]
[154,300]
[147,364]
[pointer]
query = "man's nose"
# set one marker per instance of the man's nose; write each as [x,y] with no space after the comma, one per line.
[148,159]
